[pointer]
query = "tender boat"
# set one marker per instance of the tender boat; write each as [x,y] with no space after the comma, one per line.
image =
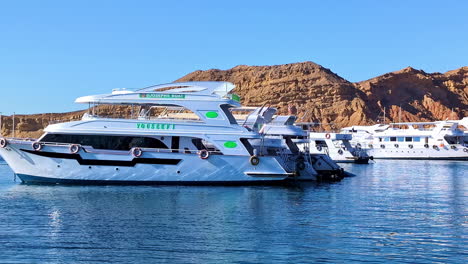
[179,133]
[446,140]
[337,146]
[282,136]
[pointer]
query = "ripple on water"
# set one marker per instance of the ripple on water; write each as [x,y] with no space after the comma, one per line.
[391,211]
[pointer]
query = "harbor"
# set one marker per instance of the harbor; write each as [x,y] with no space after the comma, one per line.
[324,196]
[245,132]
[187,133]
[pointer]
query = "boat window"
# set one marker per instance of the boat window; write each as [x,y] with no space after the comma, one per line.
[247,145]
[321,143]
[416,139]
[401,139]
[175,143]
[197,142]
[201,144]
[106,142]
[451,139]
[175,112]
[291,145]
[408,139]
[387,139]
[228,114]
[392,138]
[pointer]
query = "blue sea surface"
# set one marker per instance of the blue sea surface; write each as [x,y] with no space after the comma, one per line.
[389,212]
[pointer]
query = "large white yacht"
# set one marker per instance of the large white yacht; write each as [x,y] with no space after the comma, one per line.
[414,140]
[201,144]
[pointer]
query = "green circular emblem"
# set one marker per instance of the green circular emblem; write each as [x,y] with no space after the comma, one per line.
[230,144]
[211,114]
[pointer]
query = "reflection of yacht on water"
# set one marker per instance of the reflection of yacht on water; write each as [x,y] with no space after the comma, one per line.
[414,140]
[202,144]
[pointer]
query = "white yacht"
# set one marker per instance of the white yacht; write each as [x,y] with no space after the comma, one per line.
[337,146]
[200,144]
[282,136]
[414,140]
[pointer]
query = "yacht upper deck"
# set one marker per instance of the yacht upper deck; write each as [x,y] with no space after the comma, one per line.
[171,94]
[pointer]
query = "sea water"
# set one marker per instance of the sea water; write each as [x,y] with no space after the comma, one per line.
[389,212]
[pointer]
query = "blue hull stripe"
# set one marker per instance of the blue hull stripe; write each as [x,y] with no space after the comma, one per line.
[29,179]
[422,158]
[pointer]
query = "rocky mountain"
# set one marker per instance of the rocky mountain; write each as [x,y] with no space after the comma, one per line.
[319,95]
[322,96]
[421,96]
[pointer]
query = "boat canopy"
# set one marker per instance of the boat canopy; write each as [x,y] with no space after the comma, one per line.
[171,94]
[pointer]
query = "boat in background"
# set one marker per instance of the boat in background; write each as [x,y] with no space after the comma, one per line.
[337,146]
[445,140]
[281,133]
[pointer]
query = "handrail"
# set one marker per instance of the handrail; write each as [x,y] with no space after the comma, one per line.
[90,149]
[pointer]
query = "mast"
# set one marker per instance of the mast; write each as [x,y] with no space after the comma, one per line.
[399,117]
[384,115]
[13,124]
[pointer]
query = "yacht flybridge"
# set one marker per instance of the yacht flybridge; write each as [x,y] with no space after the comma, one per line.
[414,140]
[194,139]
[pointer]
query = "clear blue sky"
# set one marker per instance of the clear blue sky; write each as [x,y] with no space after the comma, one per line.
[54,51]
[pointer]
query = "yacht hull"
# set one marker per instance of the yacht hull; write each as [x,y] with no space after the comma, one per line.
[441,153]
[56,165]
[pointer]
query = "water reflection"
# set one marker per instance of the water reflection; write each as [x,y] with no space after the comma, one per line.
[389,212]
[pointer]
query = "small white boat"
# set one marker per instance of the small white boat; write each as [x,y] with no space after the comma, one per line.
[337,146]
[282,136]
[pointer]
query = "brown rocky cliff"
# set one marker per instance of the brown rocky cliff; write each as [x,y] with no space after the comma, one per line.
[422,96]
[319,94]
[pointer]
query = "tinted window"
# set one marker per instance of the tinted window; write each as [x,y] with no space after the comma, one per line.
[408,139]
[228,114]
[401,139]
[106,142]
[392,138]
[416,139]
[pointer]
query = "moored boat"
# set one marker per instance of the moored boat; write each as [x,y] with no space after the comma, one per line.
[445,140]
[337,146]
[280,133]
[202,145]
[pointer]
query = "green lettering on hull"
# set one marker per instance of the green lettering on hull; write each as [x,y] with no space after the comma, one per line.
[155,126]
[162,96]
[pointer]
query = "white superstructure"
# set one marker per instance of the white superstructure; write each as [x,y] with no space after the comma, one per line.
[413,140]
[195,139]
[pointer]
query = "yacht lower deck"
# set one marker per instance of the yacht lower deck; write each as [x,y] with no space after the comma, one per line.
[55,164]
